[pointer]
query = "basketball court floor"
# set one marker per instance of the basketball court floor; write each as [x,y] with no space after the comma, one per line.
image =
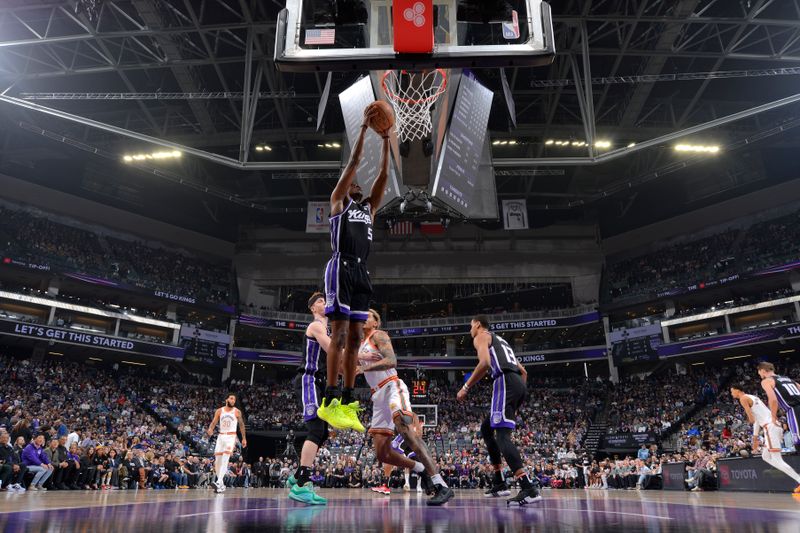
[360,510]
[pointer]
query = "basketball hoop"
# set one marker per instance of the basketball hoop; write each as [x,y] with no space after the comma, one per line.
[412,95]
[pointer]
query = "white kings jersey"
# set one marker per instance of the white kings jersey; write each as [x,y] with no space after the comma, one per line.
[760,411]
[368,354]
[228,420]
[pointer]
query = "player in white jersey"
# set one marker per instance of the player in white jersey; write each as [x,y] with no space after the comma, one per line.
[230,420]
[761,417]
[391,409]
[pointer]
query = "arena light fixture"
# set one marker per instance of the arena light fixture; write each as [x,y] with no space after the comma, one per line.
[602,144]
[787,351]
[697,148]
[161,155]
[631,145]
[133,363]
[263,148]
[736,357]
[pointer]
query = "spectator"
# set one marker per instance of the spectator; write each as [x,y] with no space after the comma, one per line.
[37,462]
[12,471]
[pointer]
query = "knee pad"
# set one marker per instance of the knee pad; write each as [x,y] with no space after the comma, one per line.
[317,431]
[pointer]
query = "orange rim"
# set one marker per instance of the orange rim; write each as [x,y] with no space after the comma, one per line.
[388,92]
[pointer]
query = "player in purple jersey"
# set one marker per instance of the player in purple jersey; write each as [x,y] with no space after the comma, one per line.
[497,358]
[309,384]
[781,392]
[347,284]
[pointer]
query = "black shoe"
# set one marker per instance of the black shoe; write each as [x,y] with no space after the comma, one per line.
[524,497]
[62,486]
[442,495]
[497,490]
[427,483]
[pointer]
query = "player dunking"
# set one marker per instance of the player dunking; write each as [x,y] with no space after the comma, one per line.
[784,392]
[309,385]
[347,284]
[229,419]
[391,410]
[759,415]
[508,393]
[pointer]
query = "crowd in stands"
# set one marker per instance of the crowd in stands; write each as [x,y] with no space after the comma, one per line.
[734,251]
[87,418]
[147,266]
[657,402]
[415,302]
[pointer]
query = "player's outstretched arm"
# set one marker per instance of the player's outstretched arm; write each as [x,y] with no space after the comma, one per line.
[349,173]
[214,423]
[384,345]
[769,387]
[379,185]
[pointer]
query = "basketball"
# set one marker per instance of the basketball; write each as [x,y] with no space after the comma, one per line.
[384,119]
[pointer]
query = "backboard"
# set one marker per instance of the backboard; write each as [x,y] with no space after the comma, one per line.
[360,35]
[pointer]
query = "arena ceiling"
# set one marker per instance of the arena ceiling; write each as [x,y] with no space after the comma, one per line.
[182,70]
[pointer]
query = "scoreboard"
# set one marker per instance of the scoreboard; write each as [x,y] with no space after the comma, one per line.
[419,389]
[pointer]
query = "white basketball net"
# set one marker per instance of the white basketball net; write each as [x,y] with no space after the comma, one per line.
[412,95]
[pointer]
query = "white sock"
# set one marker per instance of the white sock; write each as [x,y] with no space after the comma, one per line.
[437,480]
[408,474]
[418,467]
[776,460]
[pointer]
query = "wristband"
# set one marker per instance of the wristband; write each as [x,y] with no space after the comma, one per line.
[465,388]
[364,126]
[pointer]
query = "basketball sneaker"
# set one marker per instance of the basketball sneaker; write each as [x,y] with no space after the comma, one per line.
[383,489]
[498,490]
[291,482]
[525,496]
[306,494]
[350,413]
[441,496]
[330,413]
[797,489]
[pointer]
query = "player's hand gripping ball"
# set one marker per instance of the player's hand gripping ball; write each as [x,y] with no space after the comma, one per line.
[380,116]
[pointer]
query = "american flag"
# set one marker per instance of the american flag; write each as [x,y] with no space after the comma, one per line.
[404,227]
[320,36]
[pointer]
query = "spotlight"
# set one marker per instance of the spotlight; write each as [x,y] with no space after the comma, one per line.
[549,142]
[697,148]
